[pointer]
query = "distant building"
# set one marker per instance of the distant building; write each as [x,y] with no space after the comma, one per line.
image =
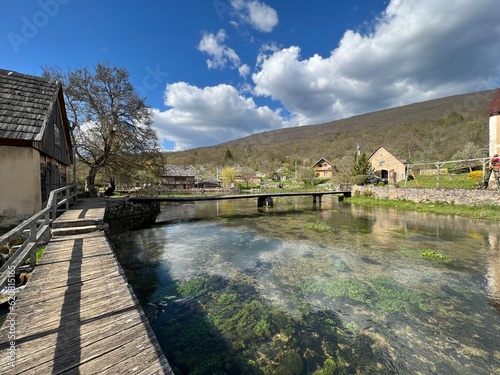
[208,184]
[36,153]
[494,124]
[324,169]
[179,177]
[386,165]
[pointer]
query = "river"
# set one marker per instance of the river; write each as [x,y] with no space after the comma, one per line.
[308,289]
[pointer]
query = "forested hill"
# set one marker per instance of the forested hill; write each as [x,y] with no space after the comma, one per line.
[424,131]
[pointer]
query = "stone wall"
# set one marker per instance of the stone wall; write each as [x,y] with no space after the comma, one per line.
[470,197]
[117,209]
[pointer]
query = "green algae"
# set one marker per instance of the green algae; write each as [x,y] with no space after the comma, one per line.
[434,255]
[318,227]
[192,288]
[391,296]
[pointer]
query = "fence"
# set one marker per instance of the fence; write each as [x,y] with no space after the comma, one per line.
[447,174]
[37,228]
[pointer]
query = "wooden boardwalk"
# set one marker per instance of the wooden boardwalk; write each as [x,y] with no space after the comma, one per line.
[77,314]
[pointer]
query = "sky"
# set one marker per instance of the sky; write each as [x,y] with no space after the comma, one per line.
[218,70]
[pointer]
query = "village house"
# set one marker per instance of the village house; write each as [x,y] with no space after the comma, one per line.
[324,169]
[494,124]
[36,153]
[387,166]
[179,177]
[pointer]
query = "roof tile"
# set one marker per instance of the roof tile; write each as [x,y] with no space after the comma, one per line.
[494,106]
[24,103]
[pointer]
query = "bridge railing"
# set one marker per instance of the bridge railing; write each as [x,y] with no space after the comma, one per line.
[33,232]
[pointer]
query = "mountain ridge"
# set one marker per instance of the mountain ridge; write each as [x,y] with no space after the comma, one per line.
[427,124]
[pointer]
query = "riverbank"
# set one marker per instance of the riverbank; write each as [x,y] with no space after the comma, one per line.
[441,201]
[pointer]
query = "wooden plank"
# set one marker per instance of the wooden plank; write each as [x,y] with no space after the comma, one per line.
[30,327]
[109,353]
[90,295]
[137,347]
[32,297]
[62,268]
[91,331]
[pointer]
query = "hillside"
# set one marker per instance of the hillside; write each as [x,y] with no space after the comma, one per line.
[423,131]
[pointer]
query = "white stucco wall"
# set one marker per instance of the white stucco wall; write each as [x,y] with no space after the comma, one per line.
[494,135]
[20,189]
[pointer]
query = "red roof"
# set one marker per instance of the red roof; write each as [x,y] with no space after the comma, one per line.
[495,104]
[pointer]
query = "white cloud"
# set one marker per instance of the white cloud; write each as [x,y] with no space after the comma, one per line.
[211,115]
[261,16]
[220,54]
[416,51]
[244,70]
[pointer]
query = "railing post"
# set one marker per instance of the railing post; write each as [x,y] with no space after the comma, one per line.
[54,208]
[32,238]
[67,197]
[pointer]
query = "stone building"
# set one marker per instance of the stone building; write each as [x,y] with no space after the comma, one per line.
[386,165]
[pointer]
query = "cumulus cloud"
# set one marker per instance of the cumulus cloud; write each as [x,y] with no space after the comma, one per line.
[259,15]
[244,70]
[220,54]
[416,51]
[211,115]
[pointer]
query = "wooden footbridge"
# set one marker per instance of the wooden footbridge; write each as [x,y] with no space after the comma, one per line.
[77,313]
[263,199]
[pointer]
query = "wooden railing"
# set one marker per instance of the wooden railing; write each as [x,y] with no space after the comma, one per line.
[36,229]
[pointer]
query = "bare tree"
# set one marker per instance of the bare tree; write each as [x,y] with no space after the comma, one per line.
[247,174]
[110,122]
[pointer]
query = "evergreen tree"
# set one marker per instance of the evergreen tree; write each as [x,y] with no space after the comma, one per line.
[362,166]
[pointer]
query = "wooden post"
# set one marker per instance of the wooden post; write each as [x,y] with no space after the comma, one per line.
[438,166]
[33,238]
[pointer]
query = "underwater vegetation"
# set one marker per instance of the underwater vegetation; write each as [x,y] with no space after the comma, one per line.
[382,292]
[230,329]
[318,227]
[345,291]
[431,254]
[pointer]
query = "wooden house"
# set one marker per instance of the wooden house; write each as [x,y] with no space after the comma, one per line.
[386,165]
[180,177]
[324,169]
[36,153]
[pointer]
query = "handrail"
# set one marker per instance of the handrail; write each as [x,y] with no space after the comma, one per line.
[38,227]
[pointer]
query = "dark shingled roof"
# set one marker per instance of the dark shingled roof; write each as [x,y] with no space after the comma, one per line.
[25,105]
[178,170]
[494,104]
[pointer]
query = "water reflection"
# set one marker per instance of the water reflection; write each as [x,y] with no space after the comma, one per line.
[323,289]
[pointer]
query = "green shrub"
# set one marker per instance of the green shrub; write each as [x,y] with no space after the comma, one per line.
[367,193]
[360,179]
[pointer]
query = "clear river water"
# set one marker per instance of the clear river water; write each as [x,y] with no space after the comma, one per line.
[309,289]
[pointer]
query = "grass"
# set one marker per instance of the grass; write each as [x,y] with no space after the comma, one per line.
[486,212]
[452,181]
[39,254]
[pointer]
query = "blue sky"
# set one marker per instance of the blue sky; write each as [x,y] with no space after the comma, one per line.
[217,70]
